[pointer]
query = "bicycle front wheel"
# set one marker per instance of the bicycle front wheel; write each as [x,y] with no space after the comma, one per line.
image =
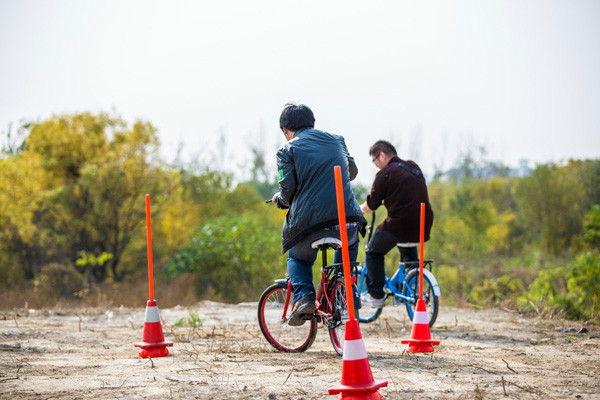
[339,313]
[431,300]
[273,322]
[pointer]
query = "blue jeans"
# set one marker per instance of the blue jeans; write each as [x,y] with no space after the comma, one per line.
[302,256]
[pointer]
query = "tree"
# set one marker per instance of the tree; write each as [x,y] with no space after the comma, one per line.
[21,198]
[81,180]
[12,143]
[553,200]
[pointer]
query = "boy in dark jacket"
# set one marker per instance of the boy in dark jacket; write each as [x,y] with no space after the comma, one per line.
[307,190]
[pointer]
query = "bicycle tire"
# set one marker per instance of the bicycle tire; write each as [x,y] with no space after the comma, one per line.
[368,314]
[340,314]
[286,338]
[431,300]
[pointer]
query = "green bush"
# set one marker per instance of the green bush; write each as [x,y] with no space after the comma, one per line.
[584,284]
[591,227]
[573,291]
[496,291]
[233,257]
[454,282]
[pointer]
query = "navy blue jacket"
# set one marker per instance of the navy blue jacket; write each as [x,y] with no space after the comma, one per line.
[307,184]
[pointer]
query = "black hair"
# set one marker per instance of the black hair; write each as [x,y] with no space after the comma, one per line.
[382,145]
[296,116]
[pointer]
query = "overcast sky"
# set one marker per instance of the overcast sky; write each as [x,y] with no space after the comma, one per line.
[521,78]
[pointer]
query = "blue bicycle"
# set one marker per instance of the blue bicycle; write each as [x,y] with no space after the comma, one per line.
[402,287]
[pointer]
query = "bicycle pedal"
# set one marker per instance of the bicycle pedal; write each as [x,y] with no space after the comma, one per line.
[332,324]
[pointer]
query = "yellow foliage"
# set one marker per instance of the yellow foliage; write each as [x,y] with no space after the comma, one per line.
[20,195]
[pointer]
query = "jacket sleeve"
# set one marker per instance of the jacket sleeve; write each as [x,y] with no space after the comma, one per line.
[352,168]
[287,178]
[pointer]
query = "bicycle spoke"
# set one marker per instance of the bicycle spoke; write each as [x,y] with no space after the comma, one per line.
[340,314]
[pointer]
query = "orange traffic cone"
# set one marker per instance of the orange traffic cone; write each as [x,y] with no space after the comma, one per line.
[420,338]
[153,342]
[357,379]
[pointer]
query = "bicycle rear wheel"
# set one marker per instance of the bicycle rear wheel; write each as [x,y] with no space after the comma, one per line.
[337,333]
[274,326]
[431,300]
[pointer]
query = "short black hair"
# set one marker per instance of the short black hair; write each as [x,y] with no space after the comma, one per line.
[296,116]
[382,145]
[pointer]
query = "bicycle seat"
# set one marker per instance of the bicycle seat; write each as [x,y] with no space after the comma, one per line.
[327,241]
[407,244]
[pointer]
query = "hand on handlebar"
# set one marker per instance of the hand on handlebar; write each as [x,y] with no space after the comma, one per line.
[364,207]
[273,199]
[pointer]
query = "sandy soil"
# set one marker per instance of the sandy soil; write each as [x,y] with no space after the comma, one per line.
[484,354]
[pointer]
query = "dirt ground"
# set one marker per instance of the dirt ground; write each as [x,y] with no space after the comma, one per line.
[484,354]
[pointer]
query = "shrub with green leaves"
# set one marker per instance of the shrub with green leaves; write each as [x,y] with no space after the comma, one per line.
[591,227]
[573,290]
[233,256]
[455,282]
[496,291]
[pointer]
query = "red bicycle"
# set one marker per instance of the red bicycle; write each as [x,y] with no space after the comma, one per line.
[275,307]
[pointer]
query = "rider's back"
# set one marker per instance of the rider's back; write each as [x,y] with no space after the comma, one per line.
[307,183]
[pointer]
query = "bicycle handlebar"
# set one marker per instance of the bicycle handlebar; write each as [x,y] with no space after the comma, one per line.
[269,201]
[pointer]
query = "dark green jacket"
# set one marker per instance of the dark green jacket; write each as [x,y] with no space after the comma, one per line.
[307,184]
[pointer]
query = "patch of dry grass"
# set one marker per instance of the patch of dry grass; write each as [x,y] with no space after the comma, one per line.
[168,293]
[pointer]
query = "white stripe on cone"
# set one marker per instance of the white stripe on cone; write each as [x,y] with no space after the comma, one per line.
[354,350]
[421,317]
[152,314]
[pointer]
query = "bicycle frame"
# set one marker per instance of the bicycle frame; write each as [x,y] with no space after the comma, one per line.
[328,272]
[320,291]
[396,282]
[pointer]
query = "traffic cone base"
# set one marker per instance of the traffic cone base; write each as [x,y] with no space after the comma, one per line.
[359,392]
[420,346]
[420,338]
[154,352]
[153,342]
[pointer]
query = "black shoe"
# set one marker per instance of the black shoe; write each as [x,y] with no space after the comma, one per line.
[304,310]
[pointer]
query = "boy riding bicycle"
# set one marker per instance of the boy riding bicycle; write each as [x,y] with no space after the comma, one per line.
[307,188]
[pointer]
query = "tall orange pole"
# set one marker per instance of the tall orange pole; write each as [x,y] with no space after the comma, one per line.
[421,242]
[339,190]
[149,240]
